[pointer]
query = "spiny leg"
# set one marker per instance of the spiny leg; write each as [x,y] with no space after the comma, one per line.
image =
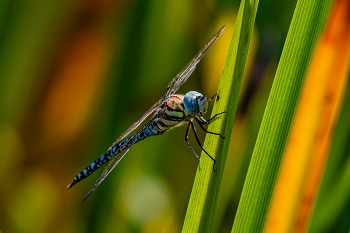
[188,143]
[203,121]
[199,143]
[200,123]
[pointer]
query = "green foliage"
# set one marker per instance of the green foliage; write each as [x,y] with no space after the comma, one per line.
[202,206]
[308,21]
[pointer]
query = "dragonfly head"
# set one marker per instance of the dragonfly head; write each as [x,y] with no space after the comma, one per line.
[195,103]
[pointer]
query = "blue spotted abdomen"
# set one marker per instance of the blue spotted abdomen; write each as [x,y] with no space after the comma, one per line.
[112,151]
[171,114]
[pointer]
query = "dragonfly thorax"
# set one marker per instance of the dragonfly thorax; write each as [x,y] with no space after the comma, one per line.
[195,103]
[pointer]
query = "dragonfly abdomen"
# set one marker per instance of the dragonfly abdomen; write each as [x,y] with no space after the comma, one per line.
[112,151]
[170,115]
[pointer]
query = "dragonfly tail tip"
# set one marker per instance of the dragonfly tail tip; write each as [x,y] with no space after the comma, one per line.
[71,185]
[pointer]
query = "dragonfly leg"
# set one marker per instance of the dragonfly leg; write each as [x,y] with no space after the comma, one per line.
[212,97]
[199,143]
[188,143]
[201,123]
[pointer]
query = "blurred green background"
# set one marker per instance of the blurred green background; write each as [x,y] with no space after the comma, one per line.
[75,74]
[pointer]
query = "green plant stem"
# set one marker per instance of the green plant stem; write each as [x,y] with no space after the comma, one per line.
[202,205]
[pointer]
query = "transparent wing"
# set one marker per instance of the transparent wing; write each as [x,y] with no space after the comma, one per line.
[183,75]
[114,161]
[138,122]
[173,86]
[110,166]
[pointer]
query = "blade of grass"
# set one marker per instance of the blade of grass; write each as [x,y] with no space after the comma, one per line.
[202,205]
[317,111]
[308,20]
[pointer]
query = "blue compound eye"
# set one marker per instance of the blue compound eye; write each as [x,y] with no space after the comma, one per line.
[195,103]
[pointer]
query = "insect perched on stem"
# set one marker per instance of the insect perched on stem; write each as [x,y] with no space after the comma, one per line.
[171,110]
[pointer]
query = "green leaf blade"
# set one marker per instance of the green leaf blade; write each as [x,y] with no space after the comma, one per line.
[308,20]
[202,205]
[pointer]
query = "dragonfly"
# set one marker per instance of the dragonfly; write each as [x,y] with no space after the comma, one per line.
[171,110]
